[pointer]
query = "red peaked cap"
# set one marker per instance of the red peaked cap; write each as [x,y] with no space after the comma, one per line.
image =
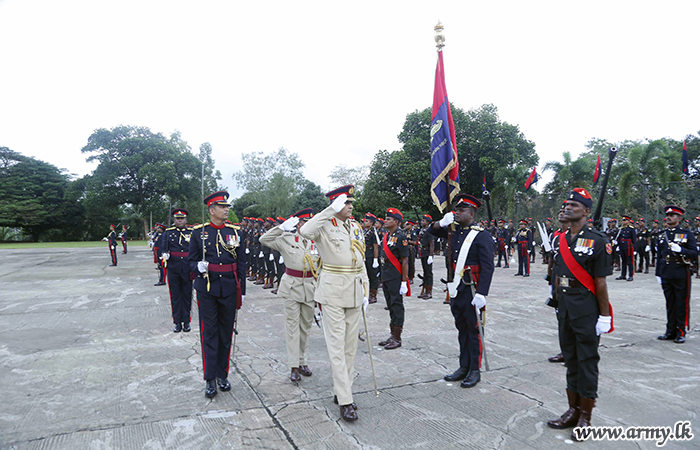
[428,216]
[180,212]
[672,209]
[395,213]
[218,198]
[370,216]
[524,222]
[582,196]
[627,218]
[348,190]
[466,200]
[305,213]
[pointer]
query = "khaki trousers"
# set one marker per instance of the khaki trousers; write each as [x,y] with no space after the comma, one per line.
[300,317]
[340,327]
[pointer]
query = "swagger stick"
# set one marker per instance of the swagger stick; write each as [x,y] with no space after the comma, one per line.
[478,319]
[369,346]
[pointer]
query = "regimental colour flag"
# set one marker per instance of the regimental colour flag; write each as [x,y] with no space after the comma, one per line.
[444,166]
[483,186]
[596,174]
[685,159]
[532,179]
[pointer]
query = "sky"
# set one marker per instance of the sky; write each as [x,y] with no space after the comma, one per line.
[334,81]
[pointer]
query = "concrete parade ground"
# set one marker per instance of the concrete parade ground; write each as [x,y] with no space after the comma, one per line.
[88,360]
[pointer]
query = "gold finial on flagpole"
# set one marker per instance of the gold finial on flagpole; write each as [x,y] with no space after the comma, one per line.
[439,37]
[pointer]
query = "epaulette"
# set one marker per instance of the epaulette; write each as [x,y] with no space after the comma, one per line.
[201,225]
[232,226]
[476,227]
[171,228]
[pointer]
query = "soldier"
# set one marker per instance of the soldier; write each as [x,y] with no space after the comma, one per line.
[677,248]
[256,252]
[531,247]
[696,232]
[217,255]
[580,267]
[371,254]
[112,243]
[426,247]
[268,256]
[612,234]
[474,246]
[341,290]
[627,237]
[549,230]
[502,239]
[124,238]
[173,249]
[395,281]
[643,245]
[558,358]
[412,239]
[280,268]
[523,239]
[297,286]
[155,239]
[654,240]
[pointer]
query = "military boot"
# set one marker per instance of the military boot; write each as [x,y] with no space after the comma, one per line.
[390,338]
[428,293]
[396,341]
[571,416]
[584,419]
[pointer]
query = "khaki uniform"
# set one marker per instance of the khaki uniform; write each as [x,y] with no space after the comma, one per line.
[341,287]
[300,255]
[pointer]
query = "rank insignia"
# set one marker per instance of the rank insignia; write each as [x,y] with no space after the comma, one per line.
[405,243]
[608,248]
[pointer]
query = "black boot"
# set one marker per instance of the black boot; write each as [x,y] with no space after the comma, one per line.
[224,384]
[473,377]
[177,328]
[458,374]
[210,391]
[186,327]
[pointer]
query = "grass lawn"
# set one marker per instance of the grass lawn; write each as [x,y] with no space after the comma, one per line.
[16,245]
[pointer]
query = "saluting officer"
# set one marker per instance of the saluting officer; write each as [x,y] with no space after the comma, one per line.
[174,248]
[478,245]
[677,248]
[426,247]
[627,238]
[523,240]
[112,243]
[217,256]
[395,282]
[341,290]
[371,254]
[297,287]
[580,266]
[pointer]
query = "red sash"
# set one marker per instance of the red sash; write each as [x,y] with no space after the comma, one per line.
[579,272]
[394,262]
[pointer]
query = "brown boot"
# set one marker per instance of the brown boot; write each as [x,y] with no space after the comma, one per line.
[571,416]
[428,293]
[556,358]
[269,284]
[396,342]
[422,292]
[584,419]
[447,298]
[372,296]
[275,290]
[260,280]
[390,338]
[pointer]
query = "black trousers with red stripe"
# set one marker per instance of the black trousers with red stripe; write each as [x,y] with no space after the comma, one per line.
[216,318]
[113,253]
[677,295]
[124,245]
[180,287]
[468,330]
[523,259]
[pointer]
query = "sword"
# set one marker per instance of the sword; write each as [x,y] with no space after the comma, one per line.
[369,346]
[478,320]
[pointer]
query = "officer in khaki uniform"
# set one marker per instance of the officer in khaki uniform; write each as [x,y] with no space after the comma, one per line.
[342,288]
[297,286]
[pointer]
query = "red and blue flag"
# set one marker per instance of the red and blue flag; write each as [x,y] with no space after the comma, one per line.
[596,174]
[444,166]
[685,158]
[532,179]
[483,185]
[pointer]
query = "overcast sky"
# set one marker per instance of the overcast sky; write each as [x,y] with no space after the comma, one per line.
[334,83]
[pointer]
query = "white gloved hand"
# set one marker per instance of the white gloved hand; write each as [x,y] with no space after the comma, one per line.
[647,248]
[165,256]
[272,257]
[551,289]
[528,252]
[403,290]
[247,251]
[479,301]
[675,247]
[447,219]
[603,325]
[614,242]
[114,247]
[261,255]
[105,239]
[658,279]
[281,260]
[202,266]
[242,298]
[150,244]
[617,249]
[339,203]
[375,263]
[289,224]
[635,253]
[365,303]
[430,260]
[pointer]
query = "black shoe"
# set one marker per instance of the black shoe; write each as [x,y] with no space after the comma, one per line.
[160,283]
[666,337]
[210,391]
[679,340]
[112,265]
[507,266]
[518,275]
[526,275]
[458,374]
[630,279]
[186,327]
[177,328]
[473,377]
[224,384]
[497,265]
[620,278]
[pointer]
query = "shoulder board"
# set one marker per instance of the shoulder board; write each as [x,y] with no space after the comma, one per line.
[476,227]
[598,233]
[201,225]
[171,228]
[228,225]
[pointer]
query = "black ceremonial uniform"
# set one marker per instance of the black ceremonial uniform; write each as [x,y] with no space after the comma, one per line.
[156,258]
[424,241]
[176,242]
[532,244]
[391,278]
[480,259]
[124,238]
[674,270]
[502,239]
[411,236]
[218,292]
[371,238]
[523,240]
[627,238]
[643,239]
[612,234]
[112,242]
[654,242]
[578,308]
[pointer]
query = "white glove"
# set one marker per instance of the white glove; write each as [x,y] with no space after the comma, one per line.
[528,252]
[247,251]
[479,301]
[202,266]
[447,219]
[242,298]
[261,255]
[150,244]
[647,248]
[281,260]
[289,224]
[658,279]
[635,253]
[551,289]
[105,239]
[365,303]
[614,242]
[430,260]
[603,325]
[617,249]
[375,263]
[166,256]
[339,203]
[675,247]
[272,257]
[403,290]
[114,247]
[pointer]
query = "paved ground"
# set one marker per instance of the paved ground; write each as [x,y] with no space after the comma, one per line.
[88,361]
